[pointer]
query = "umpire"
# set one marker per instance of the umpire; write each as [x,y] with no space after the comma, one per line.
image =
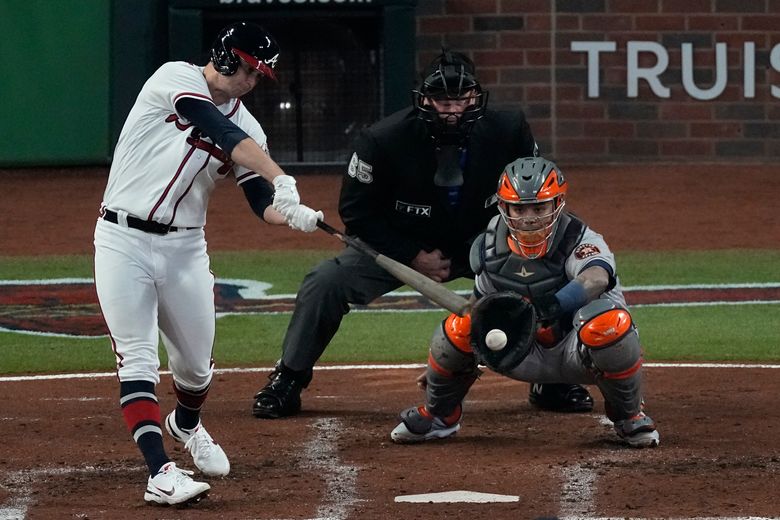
[415,191]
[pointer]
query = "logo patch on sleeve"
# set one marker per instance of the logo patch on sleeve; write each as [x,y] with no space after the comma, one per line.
[586,250]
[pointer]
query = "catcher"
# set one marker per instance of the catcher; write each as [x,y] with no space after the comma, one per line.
[548,282]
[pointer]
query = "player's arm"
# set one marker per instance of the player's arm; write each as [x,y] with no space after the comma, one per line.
[260,194]
[590,283]
[245,151]
[594,281]
[241,148]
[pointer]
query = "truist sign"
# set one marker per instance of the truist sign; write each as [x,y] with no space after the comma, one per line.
[652,74]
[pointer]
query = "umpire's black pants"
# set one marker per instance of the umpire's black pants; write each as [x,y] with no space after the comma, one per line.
[323,299]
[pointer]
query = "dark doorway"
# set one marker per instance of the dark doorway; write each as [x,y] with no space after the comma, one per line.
[329,85]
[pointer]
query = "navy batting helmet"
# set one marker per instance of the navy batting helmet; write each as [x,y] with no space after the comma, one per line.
[248,42]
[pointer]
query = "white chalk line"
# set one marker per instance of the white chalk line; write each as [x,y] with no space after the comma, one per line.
[321,456]
[400,366]
[258,290]
[579,488]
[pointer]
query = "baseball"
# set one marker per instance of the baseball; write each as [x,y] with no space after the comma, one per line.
[495,339]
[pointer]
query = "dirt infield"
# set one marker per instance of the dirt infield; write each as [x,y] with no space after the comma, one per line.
[67,455]
[66,452]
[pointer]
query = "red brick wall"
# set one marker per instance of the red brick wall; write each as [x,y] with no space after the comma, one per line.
[523,57]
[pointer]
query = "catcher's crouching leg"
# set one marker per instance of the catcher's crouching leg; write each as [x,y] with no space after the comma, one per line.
[610,346]
[451,371]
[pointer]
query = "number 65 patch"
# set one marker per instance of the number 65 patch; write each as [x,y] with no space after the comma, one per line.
[360,170]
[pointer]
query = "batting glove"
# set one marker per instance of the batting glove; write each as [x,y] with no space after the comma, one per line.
[303,218]
[285,195]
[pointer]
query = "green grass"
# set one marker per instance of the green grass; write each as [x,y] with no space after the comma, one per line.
[286,268]
[724,333]
[712,333]
[689,267]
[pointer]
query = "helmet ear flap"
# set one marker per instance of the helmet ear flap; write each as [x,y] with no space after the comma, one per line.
[224,60]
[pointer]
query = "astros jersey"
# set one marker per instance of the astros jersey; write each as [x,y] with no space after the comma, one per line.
[166,172]
[575,248]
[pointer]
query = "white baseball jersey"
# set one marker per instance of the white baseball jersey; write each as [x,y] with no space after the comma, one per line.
[159,172]
[160,285]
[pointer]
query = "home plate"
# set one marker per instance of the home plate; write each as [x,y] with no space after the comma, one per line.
[457,496]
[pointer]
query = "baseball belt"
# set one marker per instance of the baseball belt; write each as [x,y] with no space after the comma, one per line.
[147,226]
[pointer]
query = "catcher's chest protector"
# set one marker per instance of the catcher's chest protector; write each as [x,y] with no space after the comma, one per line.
[530,278]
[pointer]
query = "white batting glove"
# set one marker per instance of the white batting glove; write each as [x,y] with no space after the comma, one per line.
[285,194]
[303,218]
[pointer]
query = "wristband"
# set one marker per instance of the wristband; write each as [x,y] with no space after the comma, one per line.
[572,296]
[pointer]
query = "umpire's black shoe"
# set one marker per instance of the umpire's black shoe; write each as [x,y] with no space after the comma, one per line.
[281,397]
[560,397]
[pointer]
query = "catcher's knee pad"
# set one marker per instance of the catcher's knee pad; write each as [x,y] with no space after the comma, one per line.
[450,350]
[609,336]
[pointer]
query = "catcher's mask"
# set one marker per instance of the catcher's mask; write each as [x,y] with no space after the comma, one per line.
[531,196]
[511,313]
[246,42]
[450,99]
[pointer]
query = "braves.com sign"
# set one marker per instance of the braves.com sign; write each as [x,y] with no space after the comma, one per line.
[652,74]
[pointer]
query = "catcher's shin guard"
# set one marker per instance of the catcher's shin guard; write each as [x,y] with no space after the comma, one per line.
[611,347]
[452,368]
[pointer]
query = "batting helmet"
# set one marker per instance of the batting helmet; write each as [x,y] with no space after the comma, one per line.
[450,77]
[248,42]
[531,181]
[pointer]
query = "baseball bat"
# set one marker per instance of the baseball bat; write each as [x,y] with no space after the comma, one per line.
[432,290]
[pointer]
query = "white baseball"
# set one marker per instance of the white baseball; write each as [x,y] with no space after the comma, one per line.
[495,339]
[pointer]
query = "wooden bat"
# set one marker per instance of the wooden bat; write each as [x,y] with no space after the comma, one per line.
[434,291]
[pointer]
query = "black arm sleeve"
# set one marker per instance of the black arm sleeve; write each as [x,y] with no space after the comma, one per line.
[259,193]
[212,122]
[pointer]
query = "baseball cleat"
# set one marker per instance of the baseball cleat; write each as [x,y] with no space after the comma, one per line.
[417,425]
[171,486]
[208,456]
[281,397]
[560,397]
[638,432]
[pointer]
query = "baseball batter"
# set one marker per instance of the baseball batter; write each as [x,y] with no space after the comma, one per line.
[566,270]
[186,131]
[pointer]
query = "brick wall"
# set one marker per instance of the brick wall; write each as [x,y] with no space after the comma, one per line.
[523,53]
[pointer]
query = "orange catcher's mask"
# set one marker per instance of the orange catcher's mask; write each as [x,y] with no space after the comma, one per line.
[531,196]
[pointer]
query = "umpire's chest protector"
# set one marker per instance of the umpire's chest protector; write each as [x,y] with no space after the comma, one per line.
[507,271]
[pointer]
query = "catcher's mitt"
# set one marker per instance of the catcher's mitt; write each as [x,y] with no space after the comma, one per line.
[511,313]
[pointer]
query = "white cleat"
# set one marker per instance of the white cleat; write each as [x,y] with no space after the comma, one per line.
[416,427]
[639,431]
[208,456]
[172,485]
[643,440]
